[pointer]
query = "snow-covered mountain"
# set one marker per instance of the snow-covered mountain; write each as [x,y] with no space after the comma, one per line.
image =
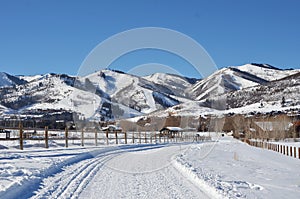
[279,96]
[266,71]
[109,94]
[132,91]
[30,77]
[176,83]
[223,81]
[276,96]
[273,92]
[53,93]
[49,89]
[7,80]
[104,94]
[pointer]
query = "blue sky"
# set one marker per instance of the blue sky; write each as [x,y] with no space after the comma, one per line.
[55,36]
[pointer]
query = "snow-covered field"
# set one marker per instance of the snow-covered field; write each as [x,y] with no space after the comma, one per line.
[237,170]
[222,168]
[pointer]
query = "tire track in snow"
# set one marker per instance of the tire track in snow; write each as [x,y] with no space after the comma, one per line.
[73,178]
[70,182]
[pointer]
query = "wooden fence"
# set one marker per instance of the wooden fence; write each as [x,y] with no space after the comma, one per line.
[280,148]
[96,136]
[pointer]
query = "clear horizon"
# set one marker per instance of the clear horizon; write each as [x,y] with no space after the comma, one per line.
[56,36]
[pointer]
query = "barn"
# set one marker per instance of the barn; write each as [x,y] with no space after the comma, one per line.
[112,128]
[170,131]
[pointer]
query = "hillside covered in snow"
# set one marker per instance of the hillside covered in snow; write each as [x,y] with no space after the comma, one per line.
[110,94]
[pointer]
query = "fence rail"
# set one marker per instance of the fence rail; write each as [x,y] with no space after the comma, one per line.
[291,151]
[100,137]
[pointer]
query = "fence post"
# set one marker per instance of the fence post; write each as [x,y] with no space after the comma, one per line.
[132,137]
[21,135]
[96,137]
[82,137]
[155,137]
[140,138]
[106,133]
[145,137]
[116,135]
[125,136]
[66,137]
[299,152]
[295,151]
[46,137]
[291,151]
[281,149]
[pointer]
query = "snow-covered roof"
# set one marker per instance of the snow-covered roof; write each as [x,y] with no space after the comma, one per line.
[112,128]
[172,128]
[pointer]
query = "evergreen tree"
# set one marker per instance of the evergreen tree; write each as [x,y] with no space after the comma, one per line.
[283,102]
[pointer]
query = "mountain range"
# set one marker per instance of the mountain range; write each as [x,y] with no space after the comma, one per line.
[111,94]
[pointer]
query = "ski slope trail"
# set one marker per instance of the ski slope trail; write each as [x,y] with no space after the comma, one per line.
[134,172]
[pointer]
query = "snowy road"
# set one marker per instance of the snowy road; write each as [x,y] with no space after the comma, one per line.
[133,172]
[225,168]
